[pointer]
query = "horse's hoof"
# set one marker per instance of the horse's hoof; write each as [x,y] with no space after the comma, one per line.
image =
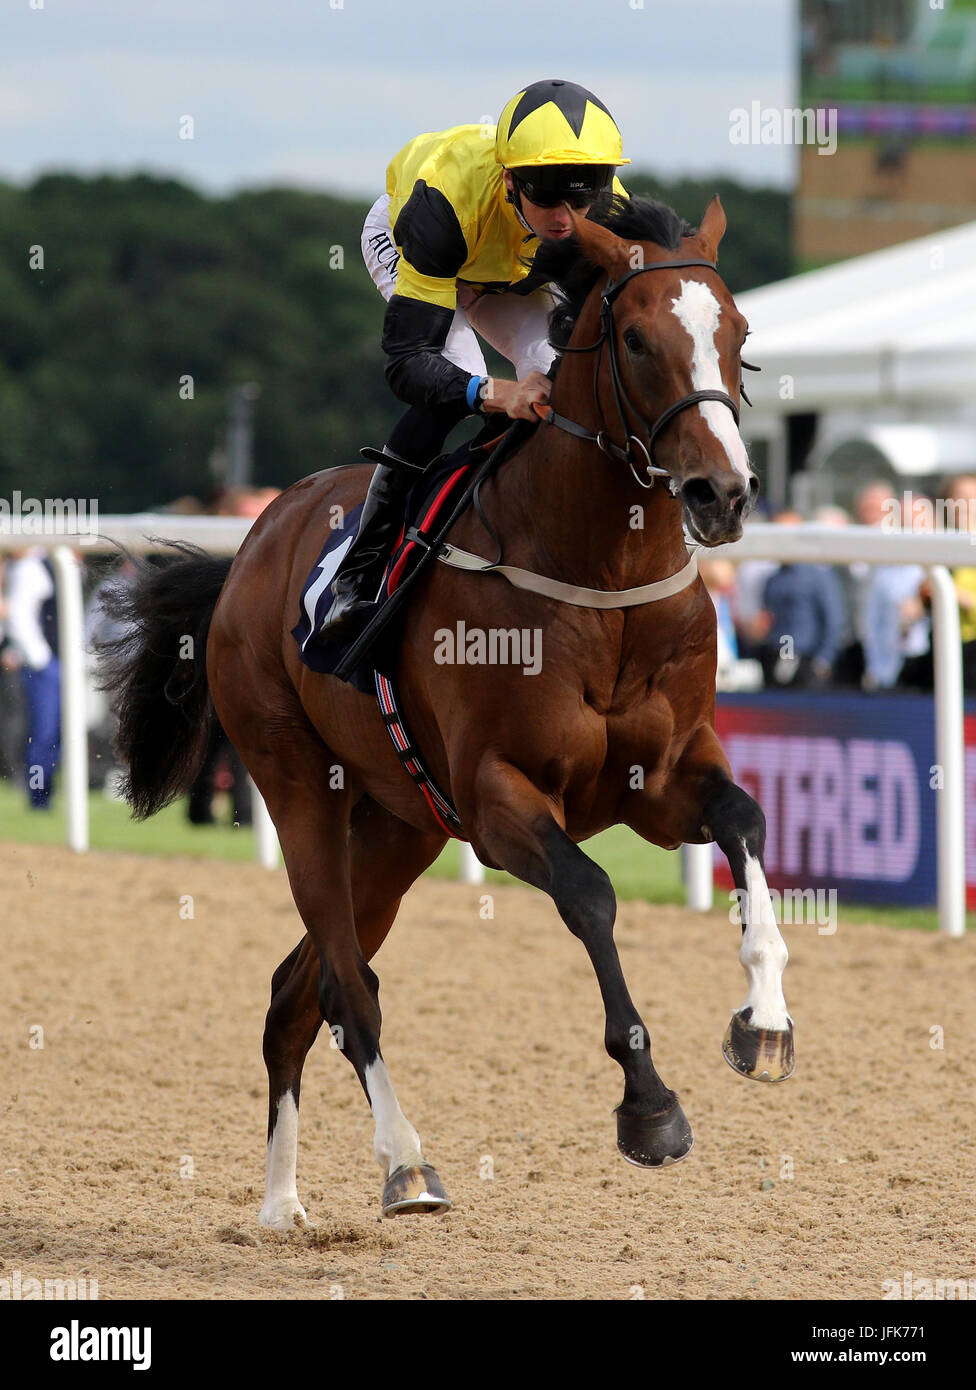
[654,1141]
[284,1214]
[762,1054]
[414,1189]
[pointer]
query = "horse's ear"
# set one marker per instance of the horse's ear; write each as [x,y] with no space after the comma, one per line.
[712,229]
[601,246]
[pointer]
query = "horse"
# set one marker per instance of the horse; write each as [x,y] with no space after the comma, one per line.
[616,727]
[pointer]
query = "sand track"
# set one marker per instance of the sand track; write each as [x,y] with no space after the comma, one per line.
[493,1034]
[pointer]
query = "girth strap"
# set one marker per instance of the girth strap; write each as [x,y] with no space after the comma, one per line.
[572,593]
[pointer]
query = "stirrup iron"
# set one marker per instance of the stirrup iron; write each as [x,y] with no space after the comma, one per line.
[389,460]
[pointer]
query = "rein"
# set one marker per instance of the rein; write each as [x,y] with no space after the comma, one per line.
[608,598]
[608,339]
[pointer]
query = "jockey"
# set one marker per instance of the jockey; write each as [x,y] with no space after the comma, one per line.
[449,247]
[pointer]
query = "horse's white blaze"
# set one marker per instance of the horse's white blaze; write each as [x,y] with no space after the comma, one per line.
[763,954]
[396,1142]
[698,312]
[281,1204]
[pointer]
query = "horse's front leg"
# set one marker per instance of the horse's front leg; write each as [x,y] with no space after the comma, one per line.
[759,1039]
[701,803]
[513,826]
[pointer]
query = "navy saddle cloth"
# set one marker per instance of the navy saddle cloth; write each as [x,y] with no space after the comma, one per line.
[428,503]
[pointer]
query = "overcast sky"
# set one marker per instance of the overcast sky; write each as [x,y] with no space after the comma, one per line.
[296,91]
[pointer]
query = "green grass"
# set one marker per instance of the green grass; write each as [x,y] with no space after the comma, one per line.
[111,828]
[637,870]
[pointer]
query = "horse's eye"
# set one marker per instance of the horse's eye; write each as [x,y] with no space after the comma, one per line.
[633,340]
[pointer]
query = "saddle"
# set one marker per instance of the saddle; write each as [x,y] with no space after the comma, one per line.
[441,494]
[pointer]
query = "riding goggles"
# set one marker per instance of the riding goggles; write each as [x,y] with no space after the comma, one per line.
[551,186]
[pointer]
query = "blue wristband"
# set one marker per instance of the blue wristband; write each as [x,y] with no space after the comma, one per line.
[471,394]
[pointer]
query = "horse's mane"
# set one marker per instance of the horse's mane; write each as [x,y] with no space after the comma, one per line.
[564,263]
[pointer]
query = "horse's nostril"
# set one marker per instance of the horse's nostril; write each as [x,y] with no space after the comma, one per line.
[711,492]
[699,492]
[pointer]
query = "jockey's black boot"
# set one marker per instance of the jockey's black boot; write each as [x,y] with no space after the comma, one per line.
[360,573]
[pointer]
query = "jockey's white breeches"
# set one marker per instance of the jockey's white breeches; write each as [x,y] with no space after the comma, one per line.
[516,325]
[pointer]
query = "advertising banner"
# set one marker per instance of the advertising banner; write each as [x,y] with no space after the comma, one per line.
[849,786]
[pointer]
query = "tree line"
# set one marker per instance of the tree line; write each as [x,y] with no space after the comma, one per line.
[129,306]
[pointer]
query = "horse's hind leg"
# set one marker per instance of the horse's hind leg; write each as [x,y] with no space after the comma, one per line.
[291,1027]
[385,856]
[516,829]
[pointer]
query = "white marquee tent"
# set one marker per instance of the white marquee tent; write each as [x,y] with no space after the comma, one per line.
[896,326]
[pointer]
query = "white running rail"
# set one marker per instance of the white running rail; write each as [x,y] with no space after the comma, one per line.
[813,544]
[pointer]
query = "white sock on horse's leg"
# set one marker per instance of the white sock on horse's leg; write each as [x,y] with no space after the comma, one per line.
[281,1204]
[397,1143]
[763,953]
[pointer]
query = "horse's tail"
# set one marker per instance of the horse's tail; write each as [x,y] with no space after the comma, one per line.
[154,670]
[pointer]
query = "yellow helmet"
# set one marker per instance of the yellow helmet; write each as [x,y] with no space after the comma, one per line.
[556,122]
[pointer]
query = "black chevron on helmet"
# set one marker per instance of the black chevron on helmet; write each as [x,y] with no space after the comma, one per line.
[570,99]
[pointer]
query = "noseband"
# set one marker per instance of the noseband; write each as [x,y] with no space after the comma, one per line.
[608,338]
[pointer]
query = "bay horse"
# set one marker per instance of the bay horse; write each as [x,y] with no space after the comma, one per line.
[615,728]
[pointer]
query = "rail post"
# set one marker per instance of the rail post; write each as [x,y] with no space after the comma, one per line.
[74,720]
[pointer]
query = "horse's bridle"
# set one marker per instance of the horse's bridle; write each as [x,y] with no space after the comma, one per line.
[609,338]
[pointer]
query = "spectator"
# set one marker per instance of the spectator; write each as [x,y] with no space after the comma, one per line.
[751,620]
[849,666]
[185,506]
[11,699]
[805,607]
[962,494]
[876,505]
[32,628]
[718,577]
[895,623]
